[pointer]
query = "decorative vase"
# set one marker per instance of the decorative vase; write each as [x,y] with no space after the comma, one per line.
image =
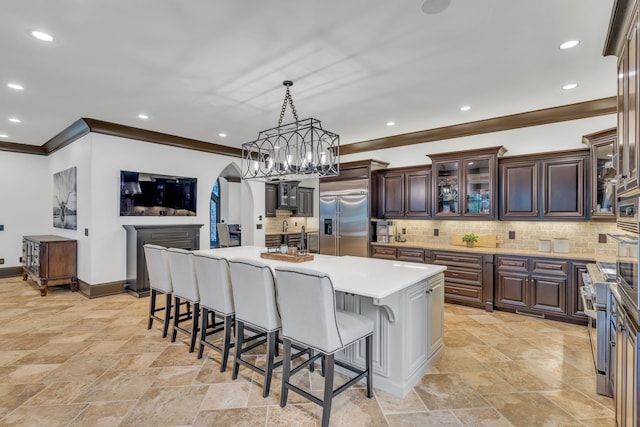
[469,244]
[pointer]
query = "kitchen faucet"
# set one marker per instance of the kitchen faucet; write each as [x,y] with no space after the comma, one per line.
[285,226]
[302,248]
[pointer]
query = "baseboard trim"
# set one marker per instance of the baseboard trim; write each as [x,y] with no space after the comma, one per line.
[101,289]
[10,272]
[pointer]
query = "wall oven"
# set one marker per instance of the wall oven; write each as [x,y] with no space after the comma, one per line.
[628,253]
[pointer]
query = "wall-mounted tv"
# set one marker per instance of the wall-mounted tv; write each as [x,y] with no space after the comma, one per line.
[150,194]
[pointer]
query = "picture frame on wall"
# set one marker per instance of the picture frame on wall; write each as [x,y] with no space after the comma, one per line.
[65,203]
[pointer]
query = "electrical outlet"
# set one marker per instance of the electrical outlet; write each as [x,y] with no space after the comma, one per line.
[258,226]
[404,231]
[512,235]
[602,238]
[436,232]
[86,231]
[20,260]
[1,260]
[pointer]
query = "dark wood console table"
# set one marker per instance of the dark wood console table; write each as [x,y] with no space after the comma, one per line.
[50,261]
[183,236]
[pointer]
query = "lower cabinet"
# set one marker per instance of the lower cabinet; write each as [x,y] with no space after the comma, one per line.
[626,377]
[468,279]
[540,287]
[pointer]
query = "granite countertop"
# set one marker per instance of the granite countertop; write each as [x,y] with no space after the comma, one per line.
[498,251]
[283,233]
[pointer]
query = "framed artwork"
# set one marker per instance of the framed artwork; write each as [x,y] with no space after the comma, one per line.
[65,203]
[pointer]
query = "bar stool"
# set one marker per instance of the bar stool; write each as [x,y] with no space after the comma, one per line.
[216,299]
[160,283]
[306,300]
[254,296]
[185,286]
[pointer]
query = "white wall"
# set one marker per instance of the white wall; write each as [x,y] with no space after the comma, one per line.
[26,191]
[535,139]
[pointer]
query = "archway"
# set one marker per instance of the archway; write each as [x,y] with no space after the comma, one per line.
[228,202]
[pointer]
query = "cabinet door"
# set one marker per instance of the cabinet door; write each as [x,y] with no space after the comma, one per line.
[270,200]
[418,194]
[631,398]
[417,316]
[564,188]
[478,179]
[305,202]
[549,294]
[384,252]
[632,108]
[512,290]
[519,190]
[436,308]
[446,177]
[623,154]
[603,173]
[391,195]
[575,307]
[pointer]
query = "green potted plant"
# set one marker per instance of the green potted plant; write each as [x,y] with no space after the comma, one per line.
[470,239]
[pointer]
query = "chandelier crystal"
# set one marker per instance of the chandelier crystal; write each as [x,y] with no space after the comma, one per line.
[297,150]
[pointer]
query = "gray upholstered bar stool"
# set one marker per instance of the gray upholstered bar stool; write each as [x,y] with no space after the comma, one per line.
[306,300]
[160,283]
[216,300]
[254,296]
[185,287]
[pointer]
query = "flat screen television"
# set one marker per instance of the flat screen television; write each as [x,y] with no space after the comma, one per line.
[150,194]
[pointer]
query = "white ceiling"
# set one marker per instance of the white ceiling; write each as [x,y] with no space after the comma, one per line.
[201,67]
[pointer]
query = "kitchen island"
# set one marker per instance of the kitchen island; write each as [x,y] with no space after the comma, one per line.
[404,300]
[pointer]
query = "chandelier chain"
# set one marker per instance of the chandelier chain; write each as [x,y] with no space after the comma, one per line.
[287,97]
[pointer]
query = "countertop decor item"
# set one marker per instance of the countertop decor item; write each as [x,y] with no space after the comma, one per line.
[484,240]
[561,245]
[287,257]
[297,150]
[544,245]
[470,239]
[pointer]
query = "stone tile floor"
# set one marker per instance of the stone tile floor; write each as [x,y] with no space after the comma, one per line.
[66,360]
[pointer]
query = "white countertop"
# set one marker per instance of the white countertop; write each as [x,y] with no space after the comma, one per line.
[371,277]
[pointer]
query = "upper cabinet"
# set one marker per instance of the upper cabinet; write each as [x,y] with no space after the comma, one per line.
[536,187]
[465,183]
[305,201]
[270,199]
[405,193]
[288,195]
[604,174]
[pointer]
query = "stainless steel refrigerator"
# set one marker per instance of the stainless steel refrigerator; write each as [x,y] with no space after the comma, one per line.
[344,218]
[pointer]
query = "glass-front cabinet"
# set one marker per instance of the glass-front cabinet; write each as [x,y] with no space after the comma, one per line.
[465,184]
[604,174]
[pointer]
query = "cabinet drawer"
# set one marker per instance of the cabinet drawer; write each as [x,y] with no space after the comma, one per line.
[407,254]
[271,241]
[467,277]
[461,292]
[541,266]
[461,260]
[512,264]
[384,252]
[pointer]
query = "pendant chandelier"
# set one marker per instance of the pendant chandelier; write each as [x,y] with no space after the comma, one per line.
[297,150]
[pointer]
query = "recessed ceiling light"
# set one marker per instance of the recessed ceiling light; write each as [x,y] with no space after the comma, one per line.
[569,44]
[222,134]
[465,108]
[391,123]
[143,116]
[15,86]
[570,86]
[4,135]
[42,36]
[14,120]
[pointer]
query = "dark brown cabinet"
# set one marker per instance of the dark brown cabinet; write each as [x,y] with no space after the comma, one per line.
[50,261]
[468,279]
[305,202]
[464,183]
[405,193]
[270,199]
[532,285]
[544,188]
[604,175]
[288,195]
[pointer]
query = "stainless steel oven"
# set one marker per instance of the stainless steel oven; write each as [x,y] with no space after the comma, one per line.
[628,253]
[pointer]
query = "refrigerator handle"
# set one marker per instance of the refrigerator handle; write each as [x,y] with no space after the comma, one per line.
[337,228]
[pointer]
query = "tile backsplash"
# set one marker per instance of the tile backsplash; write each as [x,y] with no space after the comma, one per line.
[583,236]
[295,223]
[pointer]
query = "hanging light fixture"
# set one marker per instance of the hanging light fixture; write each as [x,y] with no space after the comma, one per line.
[297,150]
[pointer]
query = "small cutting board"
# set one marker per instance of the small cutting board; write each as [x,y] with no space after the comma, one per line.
[287,257]
[484,240]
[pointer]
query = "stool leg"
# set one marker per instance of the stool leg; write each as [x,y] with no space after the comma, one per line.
[228,320]
[369,365]
[167,315]
[203,331]
[286,372]
[176,319]
[239,340]
[272,344]
[194,326]
[328,389]
[152,307]
[312,366]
